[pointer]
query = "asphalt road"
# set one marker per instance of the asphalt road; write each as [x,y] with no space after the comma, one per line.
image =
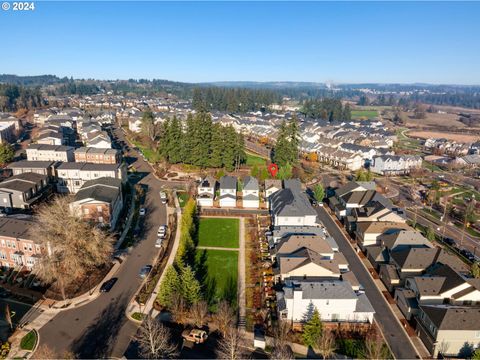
[100,329]
[398,341]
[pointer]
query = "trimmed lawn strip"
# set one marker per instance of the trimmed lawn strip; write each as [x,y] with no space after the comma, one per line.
[182,198]
[218,232]
[253,159]
[218,272]
[29,341]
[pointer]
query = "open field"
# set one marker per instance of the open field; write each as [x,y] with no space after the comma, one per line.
[218,232]
[253,159]
[218,270]
[357,114]
[425,134]
[433,120]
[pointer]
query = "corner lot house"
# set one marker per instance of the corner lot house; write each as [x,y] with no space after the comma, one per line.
[100,201]
[206,191]
[228,191]
[250,193]
[47,168]
[17,246]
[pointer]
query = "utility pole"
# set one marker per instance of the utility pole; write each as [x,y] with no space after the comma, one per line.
[444,217]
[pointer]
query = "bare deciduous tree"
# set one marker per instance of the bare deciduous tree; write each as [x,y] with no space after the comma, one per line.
[71,246]
[154,340]
[179,309]
[199,313]
[232,345]
[224,317]
[375,347]
[280,348]
[47,353]
[326,344]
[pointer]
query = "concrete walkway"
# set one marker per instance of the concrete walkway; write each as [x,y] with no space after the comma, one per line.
[242,307]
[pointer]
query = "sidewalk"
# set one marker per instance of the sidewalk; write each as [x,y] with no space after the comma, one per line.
[134,307]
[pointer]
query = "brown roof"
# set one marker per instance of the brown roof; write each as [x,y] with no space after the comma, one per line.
[379,227]
[293,243]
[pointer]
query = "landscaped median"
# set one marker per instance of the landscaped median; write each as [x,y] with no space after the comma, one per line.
[29,341]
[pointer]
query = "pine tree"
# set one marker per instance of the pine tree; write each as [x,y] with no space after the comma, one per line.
[190,287]
[229,151]
[174,144]
[169,286]
[319,192]
[312,329]
[189,140]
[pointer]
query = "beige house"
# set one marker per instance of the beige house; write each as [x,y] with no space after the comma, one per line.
[449,330]
[44,152]
[368,232]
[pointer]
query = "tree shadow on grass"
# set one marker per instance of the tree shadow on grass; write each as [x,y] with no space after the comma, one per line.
[99,338]
[229,292]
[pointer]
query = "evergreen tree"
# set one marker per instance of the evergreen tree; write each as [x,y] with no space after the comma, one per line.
[430,235]
[7,153]
[312,329]
[216,151]
[189,140]
[319,192]
[285,172]
[174,143]
[254,171]
[230,147]
[169,286]
[190,287]
[264,174]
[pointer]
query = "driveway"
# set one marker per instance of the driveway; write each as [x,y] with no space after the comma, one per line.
[397,339]
[100,329]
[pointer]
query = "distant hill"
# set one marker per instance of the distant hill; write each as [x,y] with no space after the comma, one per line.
[37,80]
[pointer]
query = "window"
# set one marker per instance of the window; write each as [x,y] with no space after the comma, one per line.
[3,255]
[86,211]
[100,219]
[99,208]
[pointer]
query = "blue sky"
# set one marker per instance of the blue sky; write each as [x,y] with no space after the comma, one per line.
[435,42]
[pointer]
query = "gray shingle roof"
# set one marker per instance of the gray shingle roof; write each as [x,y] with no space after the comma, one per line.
[448,317]
[286,202]
[327,289]
[250,183]
[102,189]
[228,182]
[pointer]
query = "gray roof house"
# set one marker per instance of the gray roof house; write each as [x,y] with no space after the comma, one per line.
[250,193]
[228,191]
[23,190]
[291,207]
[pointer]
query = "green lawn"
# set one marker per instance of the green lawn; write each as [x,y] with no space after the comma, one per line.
[218,232]
[357,114]
[218,272]
[182,198]
[253,159]
[28,341]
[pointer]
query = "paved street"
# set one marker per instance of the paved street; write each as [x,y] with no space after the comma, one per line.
[100,329]
[397,339]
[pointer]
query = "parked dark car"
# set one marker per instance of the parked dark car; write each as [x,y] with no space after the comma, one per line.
[107,285]
[449,241]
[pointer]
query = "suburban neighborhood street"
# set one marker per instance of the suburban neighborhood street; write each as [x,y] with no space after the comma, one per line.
[100,328]
[395,336]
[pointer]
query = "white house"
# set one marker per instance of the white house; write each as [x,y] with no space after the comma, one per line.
[395,164]
[135,124]
[250,193]
[206,191]
[228,191]
[291,207]
[335,300]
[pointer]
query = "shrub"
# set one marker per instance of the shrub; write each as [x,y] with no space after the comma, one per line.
[29,341]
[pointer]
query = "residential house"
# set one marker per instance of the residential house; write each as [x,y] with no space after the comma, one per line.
[43,152]
[250,193]
[99,140]
[23,190]
[449,330]
[290,207]
[98,155]
[228,191]
[100,201]
[272,186]
[72,176]
[206,191]
[368,233]
[335,300]
[354,194]
[17,245]
[47,168]
[395,164]
[7,132]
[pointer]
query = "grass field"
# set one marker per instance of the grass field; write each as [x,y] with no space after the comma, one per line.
[357,114]
[182,198]
[218,271]
[218,232]
[253,159]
